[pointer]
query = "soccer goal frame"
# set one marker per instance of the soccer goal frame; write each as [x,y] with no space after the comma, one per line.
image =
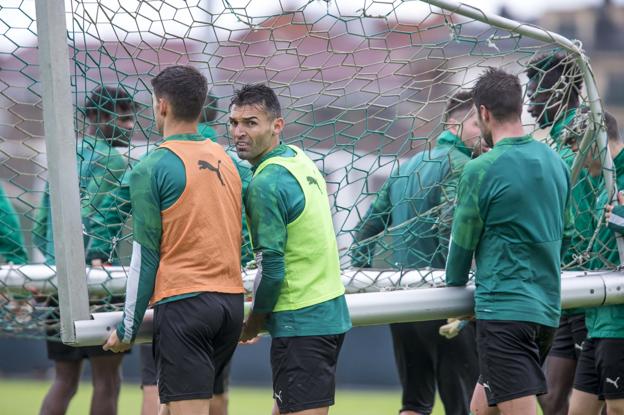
[79,327]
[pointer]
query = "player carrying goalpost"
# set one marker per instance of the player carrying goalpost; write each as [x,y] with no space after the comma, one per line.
[299,297]
[186,199]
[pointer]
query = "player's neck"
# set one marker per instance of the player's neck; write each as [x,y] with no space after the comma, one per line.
[175,127]
[506,130]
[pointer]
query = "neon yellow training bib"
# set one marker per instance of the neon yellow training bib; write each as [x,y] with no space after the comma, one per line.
[311,254]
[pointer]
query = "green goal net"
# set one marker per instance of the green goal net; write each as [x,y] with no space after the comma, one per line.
[363,84]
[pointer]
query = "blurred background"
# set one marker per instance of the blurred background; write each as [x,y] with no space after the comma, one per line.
[361,92]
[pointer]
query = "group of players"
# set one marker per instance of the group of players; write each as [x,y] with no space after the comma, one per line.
[506,203]
[487,191]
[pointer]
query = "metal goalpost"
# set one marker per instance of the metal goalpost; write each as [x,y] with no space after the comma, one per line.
[390,303]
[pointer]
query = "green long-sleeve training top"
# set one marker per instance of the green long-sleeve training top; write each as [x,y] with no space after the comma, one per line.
[155,184]
[512,215]
[101,169]
[607,321]
[11,239]
[415,207]
[275,199]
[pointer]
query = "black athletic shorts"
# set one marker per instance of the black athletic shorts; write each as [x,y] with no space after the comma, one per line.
[304,371]
[194,339]
[511,354]
[569,337]
[600,370]
[149,378]
[58,351]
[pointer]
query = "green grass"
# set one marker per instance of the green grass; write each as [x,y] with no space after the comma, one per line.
[24,397]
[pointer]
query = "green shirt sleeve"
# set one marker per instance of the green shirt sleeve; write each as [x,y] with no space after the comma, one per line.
[107,225]
[616,220]
[569,228]
[11,240]
[155,184]
[467,225]
[449,187]
[102,169]
[40,228]
[244,171]
[273,200]
[377,219]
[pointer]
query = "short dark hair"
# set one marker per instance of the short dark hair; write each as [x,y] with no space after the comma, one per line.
[185,88]
[611,125]
[209,110]
[461,101]
[109,100]
[554,69]
[499,92]
[258,94]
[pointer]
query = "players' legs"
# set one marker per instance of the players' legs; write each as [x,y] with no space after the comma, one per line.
[615,406]
[610,368]
[458,370]
[304,373]
[188,407]
[64,387]
[584,403]
[585,395]
[194,338]
[219,404]
[561,364]
[479,404]
[560,378]
[315,411]
[219,401]
[415,355]
[106,373]
[511,354]
[151,403]
[527,405]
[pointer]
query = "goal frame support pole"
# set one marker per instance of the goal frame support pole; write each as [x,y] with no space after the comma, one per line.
[60,142]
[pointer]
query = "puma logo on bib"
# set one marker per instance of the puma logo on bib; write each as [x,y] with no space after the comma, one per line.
[203,165]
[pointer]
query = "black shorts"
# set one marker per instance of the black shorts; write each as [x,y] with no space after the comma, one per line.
[149,378]
[194,339]
[427,362]
[58,351]
[569,337]
[304,371]
[511,354]
[600,370]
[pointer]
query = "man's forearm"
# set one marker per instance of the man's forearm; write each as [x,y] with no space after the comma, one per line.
[139,290]
[458,266]
[271,274]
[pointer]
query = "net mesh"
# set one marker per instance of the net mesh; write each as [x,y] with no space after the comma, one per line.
[364,87]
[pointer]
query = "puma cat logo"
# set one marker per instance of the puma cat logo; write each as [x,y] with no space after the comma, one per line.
[613,382]
[312,181]
[206,165]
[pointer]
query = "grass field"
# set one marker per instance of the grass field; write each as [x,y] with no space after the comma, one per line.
[19,397]
[23,397]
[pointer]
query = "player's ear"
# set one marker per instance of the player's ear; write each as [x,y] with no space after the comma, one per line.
[453,125]
[484,113]
[278,125]
[163,107]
